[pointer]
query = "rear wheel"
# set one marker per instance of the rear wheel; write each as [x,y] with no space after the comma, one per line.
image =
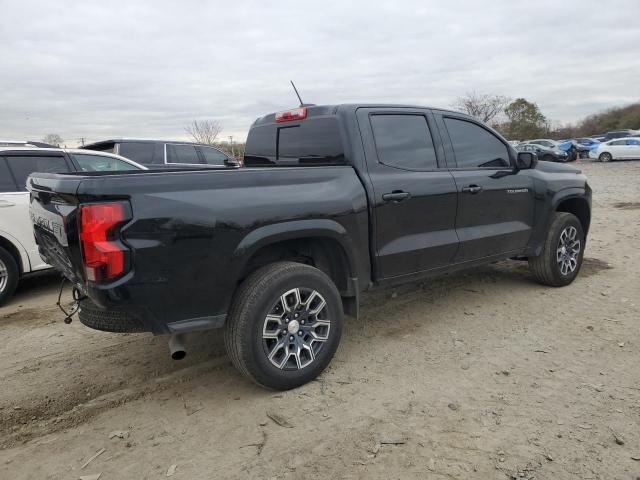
[284,325]
[9,275]
[605,157]
[561,258]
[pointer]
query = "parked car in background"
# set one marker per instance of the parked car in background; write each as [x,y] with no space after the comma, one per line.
[587,141]
[618,149]
[573,148]
[161,154]
[544,153]
[545,142]
[619,134]
[18,250]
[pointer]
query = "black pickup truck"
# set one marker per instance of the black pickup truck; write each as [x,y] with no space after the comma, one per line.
[334,200]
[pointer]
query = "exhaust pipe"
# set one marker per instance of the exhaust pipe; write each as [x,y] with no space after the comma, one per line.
[176,346]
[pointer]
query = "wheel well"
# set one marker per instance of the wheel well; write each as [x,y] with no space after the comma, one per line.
[324,253]
[11,248]
[580,208]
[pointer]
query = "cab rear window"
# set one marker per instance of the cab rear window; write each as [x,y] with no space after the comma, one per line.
[314,141]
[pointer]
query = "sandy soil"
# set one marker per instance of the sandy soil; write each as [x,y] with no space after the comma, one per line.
[482,375]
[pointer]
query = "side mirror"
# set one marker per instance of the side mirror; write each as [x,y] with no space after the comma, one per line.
[231,162]
[526,160]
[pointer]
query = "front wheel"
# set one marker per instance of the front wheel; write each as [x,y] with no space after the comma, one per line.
[284,325]
[9,275]
[561,258]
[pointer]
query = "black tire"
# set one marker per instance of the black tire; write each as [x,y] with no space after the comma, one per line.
[9,275]
[258,296]
[545,267]
[605,157]
[108,320]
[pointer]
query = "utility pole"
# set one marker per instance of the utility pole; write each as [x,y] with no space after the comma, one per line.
[231,145]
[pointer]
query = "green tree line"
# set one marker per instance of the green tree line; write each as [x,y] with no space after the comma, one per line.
[521,119]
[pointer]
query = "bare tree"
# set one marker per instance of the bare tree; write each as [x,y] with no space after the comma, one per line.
[483,106]
[53,139]
[204,131]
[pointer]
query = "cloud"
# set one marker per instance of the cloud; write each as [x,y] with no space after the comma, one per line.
[146,69]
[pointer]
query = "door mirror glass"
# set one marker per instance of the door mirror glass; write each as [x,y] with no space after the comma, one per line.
[526,160]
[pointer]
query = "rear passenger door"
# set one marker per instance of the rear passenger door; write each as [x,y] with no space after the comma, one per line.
[495,201]
[414,195]
[14,205]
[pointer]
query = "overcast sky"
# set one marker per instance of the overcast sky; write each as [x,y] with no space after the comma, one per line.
[104,69]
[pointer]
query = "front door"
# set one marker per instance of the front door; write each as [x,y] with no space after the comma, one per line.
[495,201]
[414,195]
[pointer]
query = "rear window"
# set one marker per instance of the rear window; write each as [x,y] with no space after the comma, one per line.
[22,166]
[314,141]
[141,152]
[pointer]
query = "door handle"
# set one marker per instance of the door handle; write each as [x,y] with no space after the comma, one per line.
[395,196]
[5,204]
[472,189]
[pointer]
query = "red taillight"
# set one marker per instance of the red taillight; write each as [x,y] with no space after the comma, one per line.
[291,115]
[102,252]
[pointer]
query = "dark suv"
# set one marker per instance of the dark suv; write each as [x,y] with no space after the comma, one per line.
[156,154]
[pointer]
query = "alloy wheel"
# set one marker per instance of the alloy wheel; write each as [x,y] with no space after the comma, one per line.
[296,329]
[4,276]
[568,250]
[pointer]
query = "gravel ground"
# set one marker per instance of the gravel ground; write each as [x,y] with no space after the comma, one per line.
[483,374]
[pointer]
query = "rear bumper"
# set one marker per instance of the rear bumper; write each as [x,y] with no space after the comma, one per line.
[140,319]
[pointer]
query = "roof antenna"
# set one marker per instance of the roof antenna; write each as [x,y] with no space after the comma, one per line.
[302,104]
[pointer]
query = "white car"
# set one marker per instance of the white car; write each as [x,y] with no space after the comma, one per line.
[18,250]
[617,149]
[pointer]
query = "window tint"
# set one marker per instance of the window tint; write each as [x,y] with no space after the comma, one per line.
[633,141]
[23,166]
[182,154]
[475,147]
[100,163]
[312,141]
[141,152]
[6,180]
[404,141]
[618,142]
[212,156]
[104,147]
[261,145]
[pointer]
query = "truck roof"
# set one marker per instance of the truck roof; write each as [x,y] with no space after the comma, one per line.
[332,109]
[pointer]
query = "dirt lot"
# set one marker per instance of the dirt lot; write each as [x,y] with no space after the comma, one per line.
[478,375]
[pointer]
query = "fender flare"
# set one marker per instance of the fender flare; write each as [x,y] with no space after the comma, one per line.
[566,194]
[293,230]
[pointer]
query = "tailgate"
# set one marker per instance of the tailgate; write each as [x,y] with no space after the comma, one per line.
[54,210]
